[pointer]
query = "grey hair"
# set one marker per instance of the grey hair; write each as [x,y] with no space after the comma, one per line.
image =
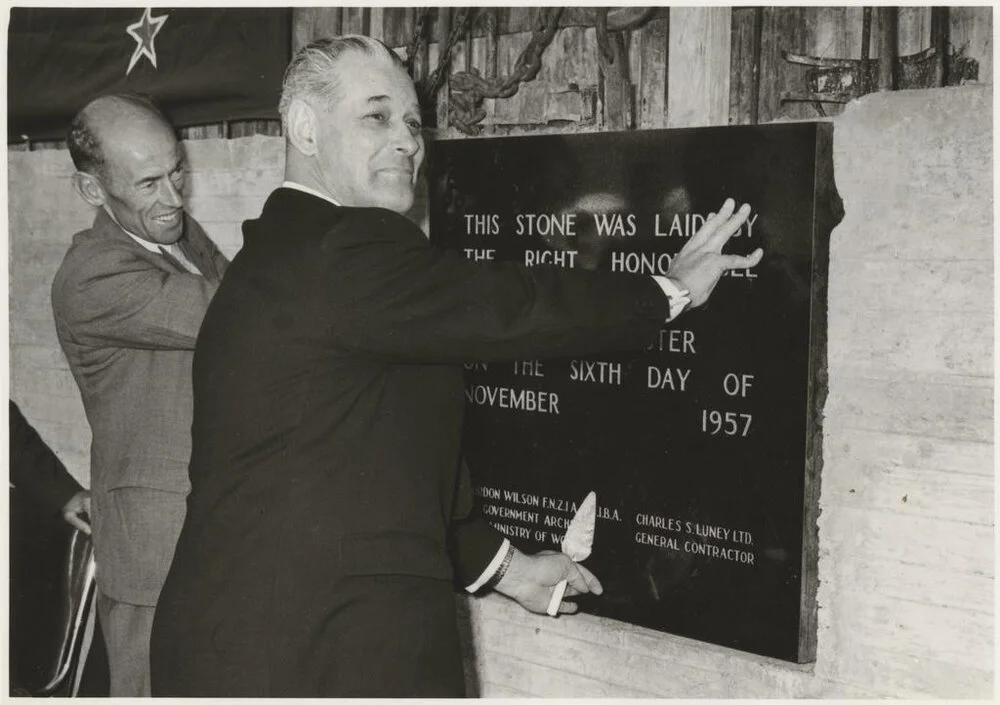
[85,148]
[313,71]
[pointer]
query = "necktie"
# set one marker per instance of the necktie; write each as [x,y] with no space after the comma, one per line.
[176,257]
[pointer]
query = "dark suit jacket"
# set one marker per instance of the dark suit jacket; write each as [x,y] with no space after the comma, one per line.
[327,426]
[35,469]
[127,320]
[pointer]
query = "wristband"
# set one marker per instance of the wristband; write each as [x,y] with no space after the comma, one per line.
[502,570]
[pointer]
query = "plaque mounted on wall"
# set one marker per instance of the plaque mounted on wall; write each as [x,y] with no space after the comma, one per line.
[705,449]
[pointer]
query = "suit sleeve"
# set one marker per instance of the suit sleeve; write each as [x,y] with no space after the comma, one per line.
[474,542]
[35,468]
[394,296]
[119,299]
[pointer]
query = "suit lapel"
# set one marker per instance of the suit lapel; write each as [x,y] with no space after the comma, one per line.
[195,247]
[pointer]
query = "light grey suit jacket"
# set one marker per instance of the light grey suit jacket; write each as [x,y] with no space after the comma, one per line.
[127,320]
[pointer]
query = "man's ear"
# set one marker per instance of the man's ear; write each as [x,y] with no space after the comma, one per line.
[89,188]
[302,127]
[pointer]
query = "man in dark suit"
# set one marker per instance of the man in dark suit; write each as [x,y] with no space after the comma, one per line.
[36,470]
[330,509]
[42,490]
[128,300]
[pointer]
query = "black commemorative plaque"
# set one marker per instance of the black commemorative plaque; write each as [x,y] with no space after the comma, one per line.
[705,449]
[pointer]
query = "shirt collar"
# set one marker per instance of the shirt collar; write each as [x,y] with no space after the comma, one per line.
[310,191]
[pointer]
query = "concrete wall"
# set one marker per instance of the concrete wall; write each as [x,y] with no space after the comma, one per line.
[906,526]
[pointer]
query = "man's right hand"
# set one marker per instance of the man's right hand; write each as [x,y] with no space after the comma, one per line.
[700,263]
[76,509]
[530,580]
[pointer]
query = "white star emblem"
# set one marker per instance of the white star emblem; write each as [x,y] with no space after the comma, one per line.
[144,32]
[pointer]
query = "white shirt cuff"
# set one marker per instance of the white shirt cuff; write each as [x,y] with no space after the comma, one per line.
[678,297]
[491,568]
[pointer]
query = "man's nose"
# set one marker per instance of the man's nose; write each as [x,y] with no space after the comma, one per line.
[405,141]
[170,195]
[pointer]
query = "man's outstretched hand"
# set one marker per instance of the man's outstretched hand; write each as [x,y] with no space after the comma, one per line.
[700,263]
[530,580]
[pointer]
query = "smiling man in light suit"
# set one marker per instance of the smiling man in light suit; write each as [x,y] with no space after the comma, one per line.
[128,301]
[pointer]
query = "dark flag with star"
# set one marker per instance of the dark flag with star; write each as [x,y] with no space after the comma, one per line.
[201,65]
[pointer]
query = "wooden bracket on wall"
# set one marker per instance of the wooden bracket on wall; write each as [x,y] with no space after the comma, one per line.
[842,80]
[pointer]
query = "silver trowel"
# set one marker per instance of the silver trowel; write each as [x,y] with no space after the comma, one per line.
[576,543]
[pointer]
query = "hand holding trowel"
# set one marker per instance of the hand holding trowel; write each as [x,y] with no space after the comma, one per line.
[576,544]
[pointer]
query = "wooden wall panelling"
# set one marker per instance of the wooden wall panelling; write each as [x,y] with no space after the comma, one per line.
[357,20]
[887,45]
[377,22]
[525,19]
[634,47]
[366,21]
[781,28]
[467,41]
[458,63]
[310,23]
[442,31]
[652,43]
[521,107]
[475,54]
[848,31]
[744,65]
[825,35]
[564,91]
[420,21]
[615,79]
[477,50]
[203,132]
[218,130]
[475,57]
[248,128]
[512,20]
[914,30]
[971,32]
[698,71]
[490,25]
[397,25]
[462,59]
[830,34]
[824,32]
[939,40]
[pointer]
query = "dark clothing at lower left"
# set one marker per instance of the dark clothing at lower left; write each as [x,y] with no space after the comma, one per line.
[35,469]
[37,557]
